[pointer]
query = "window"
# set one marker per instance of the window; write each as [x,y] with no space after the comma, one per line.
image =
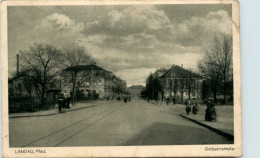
[99,82]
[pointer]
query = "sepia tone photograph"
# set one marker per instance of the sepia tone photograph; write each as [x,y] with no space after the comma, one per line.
[128,75]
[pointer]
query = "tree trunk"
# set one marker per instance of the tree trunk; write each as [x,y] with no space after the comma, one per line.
[225,94]
[182,96]
[215,96]
[189,90]
[74,81]
[42,95]
[73,93]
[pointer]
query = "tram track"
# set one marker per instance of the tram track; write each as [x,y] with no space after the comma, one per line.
[77,123]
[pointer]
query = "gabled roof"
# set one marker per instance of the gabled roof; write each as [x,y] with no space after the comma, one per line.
[179,72]
[162,70]
[85,67]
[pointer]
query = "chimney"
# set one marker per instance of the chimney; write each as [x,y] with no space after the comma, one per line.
[17,68]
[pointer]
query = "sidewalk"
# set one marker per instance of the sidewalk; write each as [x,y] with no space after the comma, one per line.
[52,111]
[225,119]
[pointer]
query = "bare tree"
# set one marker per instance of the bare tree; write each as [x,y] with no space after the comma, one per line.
[74,56]
[189,84]
[216,64]
[41,61]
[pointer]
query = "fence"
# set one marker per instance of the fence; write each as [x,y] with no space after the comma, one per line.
[22,104]
[30,104]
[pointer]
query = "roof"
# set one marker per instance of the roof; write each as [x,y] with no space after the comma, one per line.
[162,70]
[85,67]
[21,74]
[136,87]
[179,72]
[107,74]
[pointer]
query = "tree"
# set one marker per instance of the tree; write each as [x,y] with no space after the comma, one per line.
[42,62]
[75,56]
[173,86]
[153,87]
[189,84]
[216,65]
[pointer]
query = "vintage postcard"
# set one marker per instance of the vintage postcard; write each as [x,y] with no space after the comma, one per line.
[121,78]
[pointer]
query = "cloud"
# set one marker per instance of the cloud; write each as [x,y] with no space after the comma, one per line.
[144,26]
[131,20]
[197,30]
[58,29]
[131,41]
[59,22]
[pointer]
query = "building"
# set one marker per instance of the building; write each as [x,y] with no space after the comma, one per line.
[135,90]
[161,72]
[179,84]
[92,79]
[18,87]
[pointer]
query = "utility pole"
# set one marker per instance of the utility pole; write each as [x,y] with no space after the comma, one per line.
[17,64]
[92,83]
[153,89]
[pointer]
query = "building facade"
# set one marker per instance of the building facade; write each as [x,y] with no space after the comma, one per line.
[135,90]
[92,79]
[179,84]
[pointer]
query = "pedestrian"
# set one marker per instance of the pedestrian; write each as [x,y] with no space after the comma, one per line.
[125,99]
[173,100]
[210,113]
[188,106]
[107,98]
[68,102]
[64,105]
[194,106]
[167,101]
[60,102]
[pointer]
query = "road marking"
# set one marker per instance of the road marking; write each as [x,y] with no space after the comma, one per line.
[60,130]
[89,125]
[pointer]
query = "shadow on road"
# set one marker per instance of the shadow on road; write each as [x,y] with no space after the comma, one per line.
[173,134]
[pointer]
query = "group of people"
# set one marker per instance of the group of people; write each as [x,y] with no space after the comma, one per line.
[168,101]
[119,98]
[191,103]
[210,113]
[124,98]
[63,102]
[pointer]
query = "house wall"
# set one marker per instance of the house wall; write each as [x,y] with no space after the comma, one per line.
[168,92]
[102,83]
[135,92]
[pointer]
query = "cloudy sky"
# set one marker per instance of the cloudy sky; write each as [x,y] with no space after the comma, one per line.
[130,41]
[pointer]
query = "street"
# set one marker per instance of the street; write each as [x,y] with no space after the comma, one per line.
[112,124]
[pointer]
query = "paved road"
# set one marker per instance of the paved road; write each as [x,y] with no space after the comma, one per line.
[111,124]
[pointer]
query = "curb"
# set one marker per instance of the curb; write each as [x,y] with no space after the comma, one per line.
[51,113]
[219,132]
